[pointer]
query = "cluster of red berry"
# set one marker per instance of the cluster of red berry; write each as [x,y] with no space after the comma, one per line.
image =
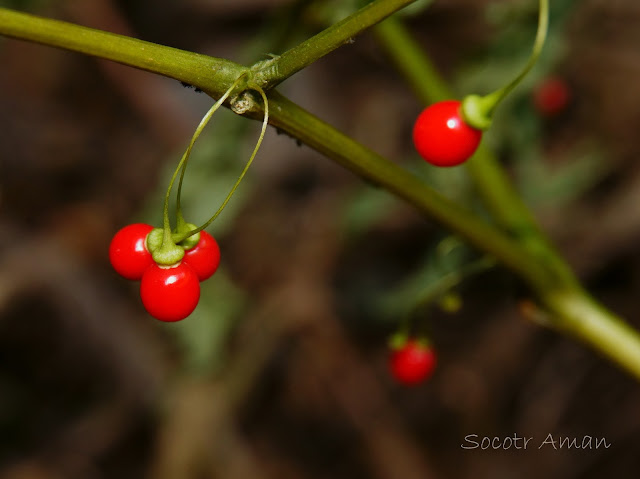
[171,263]
[168,292]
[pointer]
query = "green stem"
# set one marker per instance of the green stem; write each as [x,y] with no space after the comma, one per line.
[182,236]
[452,279]
[213,74]
[367,164]
[576,314]
[410,59]
[541,35]
[182,166]
[478,110]
[270,73]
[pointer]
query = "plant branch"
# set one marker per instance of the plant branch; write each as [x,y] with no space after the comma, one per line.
[214,74]
[270,73]
[528,253]
[383,173]
[575,313]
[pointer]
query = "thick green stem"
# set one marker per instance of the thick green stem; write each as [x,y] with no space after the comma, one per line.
[271,72]
[381,172]
[575,313]
[215,74]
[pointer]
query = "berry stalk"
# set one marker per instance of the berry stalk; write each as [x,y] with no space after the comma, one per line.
[182,227]
[181,236]
[478,110]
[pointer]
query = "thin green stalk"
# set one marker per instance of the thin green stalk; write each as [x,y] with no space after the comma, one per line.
[182,166]
[478,110]
[188,67]
[541,35]
[270,73]
[265,122]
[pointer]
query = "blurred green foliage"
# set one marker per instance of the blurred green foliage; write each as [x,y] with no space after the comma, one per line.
[203,338]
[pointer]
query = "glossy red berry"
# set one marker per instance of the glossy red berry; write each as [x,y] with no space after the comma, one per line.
[551,96]
[412,363]
[442,137]
[170,293]
[128,252]
[204,257]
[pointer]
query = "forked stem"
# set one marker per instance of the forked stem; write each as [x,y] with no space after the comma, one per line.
[182,166]
[182,235]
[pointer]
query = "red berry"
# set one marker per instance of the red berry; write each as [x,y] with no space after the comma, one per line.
[204,257]
[551,97]
[412,363]
[128,251]
[442,137]
[170,293]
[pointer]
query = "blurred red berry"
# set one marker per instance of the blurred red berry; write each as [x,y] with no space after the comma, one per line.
[551,97]
[412,363]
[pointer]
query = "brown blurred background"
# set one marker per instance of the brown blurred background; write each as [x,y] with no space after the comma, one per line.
[282,370]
